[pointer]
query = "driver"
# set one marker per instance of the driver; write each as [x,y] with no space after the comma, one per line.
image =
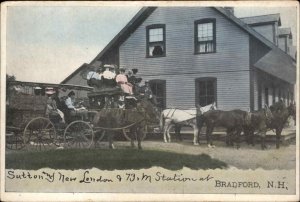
[75,111]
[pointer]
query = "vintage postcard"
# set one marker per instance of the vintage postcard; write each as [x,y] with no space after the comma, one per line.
[150,101]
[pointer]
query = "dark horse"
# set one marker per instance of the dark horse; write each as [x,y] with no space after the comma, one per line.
[135,119]
[262,123]
[233,121]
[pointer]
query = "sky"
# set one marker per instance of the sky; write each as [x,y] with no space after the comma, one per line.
[47,43]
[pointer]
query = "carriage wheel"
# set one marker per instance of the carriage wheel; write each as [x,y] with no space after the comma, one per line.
[78,134]
[14,141]
[126,131]
[39,134]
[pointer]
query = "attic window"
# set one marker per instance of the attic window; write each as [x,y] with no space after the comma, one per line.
[205,36]
[156,41]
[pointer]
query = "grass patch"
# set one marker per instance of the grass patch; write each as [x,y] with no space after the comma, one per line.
[119,159]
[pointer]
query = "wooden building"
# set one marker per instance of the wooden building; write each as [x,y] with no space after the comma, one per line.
[197,55]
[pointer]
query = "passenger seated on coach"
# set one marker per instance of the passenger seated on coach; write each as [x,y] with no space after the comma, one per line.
[147,93]
[74,110]
[121,80]
[52,109]
[94,77]
[134,80]
[109,75]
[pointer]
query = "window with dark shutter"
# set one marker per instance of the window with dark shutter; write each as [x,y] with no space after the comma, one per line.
[158,88]
[206,91]
[156,40]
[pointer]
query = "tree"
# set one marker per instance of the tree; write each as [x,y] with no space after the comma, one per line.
[10,78]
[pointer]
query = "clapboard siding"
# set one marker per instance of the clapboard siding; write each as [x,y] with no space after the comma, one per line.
[180,67]
[230,90]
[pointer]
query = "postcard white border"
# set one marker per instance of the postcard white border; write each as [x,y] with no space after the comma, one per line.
[136,197]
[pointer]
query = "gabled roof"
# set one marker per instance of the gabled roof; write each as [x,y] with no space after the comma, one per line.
[249,30]
[284,31]
[139,18]
[119,38]
[262,19]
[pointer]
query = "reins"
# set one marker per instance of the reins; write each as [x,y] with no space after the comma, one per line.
[143,113]
[121,128]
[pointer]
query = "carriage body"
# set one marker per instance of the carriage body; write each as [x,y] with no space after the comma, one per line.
[28,121]
[22,108]
[29,124]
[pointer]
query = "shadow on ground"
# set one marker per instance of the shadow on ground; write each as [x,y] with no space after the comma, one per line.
[106,159]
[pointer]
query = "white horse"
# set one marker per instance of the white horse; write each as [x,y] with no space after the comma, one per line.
[174,116]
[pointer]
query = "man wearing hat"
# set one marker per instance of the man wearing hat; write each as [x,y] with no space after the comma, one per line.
[51,105]
[75,111]
[94,77]
[147,90]
[147,93]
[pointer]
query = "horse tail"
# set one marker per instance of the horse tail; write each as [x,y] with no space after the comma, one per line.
[162,120]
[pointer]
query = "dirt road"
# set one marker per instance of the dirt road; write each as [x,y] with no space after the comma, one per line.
[247,157]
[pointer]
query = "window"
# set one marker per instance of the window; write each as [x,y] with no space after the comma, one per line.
[158,88]
[205,36]
[156,40]
[206,91]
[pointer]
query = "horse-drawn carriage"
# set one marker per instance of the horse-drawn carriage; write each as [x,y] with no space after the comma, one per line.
[28,123]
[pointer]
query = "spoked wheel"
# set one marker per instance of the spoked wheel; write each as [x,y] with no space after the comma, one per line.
[14,141]
[39,134]
[126,133]
[78,134]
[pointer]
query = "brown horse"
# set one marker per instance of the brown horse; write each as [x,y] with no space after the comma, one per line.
[261,122]
[258,121]
[135,119]
[233,121]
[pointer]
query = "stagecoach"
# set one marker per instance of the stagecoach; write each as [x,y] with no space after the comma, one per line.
[29,126]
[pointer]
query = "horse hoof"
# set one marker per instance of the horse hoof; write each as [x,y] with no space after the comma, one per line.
[211,146]
[196,143]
